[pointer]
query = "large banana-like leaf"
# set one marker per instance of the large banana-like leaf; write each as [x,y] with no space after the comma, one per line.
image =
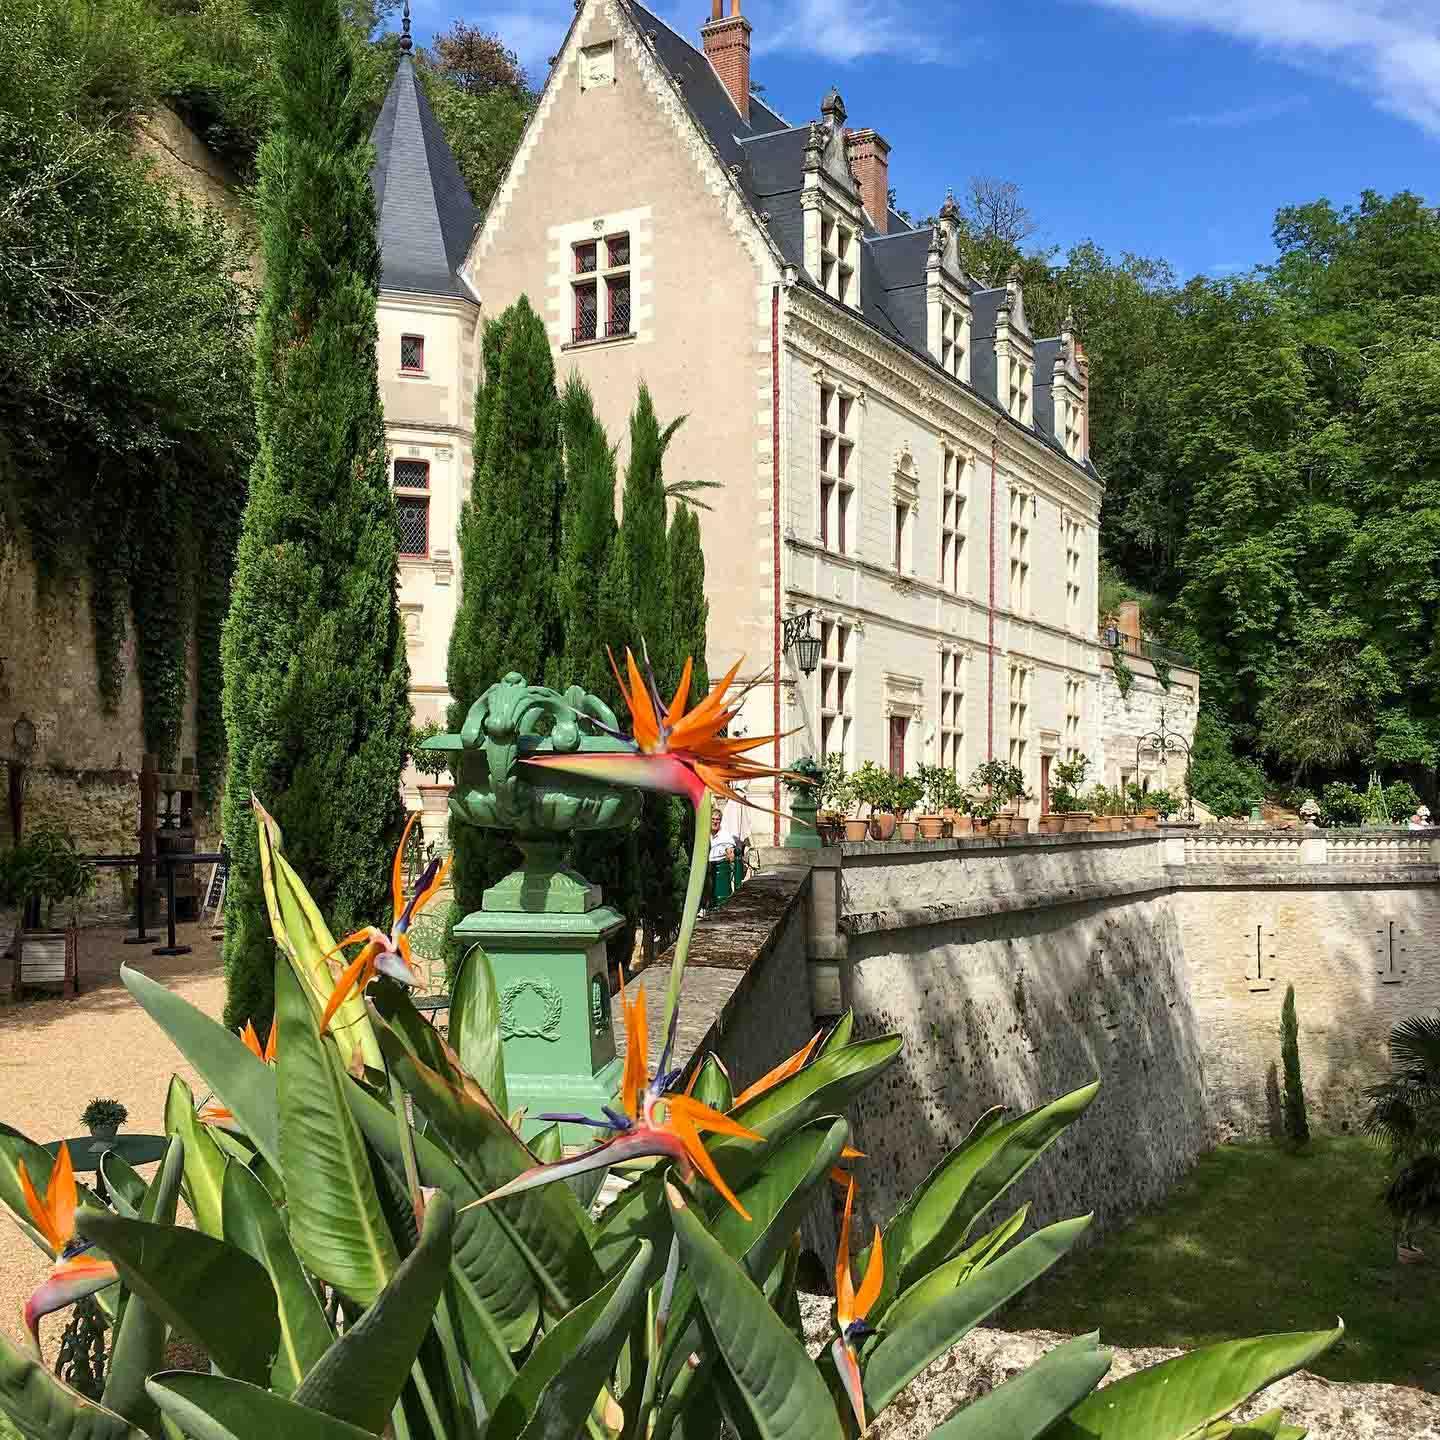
[212,1407]
[1177,1398]
[556,1388]
[301,933]
[1027,1405]
[241,1080]
[475,1026]
[125,1183]
[782,1391]
[487,1266]
[837,1037]
[638,1213]
[712,1085]
[899,1355]
[936,1220]
[40,1407]
[139,1345]
[939,1283]
[204,1160]
[253,1223]
[210,1291]
[824,1087]
[546,1223]
[1269,1426]
[336,1224]
[15,1147]
[360,1377]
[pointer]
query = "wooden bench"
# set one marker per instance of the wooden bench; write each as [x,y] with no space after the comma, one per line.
[48,960]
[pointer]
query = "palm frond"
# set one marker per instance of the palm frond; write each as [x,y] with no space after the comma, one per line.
[1414,1194]
[1415,1048]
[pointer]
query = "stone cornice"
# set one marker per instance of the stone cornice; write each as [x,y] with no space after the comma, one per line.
[413,300]
[944,404]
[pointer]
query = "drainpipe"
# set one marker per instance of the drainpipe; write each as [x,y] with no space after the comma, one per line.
[990,617]
[775,522]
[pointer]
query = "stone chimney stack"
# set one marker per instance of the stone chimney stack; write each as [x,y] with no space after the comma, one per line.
[727,47]
[870,159]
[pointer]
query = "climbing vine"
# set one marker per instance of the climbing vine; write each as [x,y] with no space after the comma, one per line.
[1162,671]
[1124,675]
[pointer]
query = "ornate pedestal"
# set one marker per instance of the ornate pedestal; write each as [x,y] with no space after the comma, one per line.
[802,834]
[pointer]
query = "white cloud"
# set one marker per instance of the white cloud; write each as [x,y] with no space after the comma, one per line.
[1389,49]
[1239,116]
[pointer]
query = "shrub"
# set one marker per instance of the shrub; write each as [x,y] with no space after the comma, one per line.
[407,1308]
[101,1114]
[1340,804]
[1402,800]
[909,792]
[1297,1125]
[47,867]
[837,792]
[1225,783]
[1067,778]
[433,763]
[1004,782]
[874,787]
[1164,803]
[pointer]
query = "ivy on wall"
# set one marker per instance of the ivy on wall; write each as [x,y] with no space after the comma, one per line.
[1124,675]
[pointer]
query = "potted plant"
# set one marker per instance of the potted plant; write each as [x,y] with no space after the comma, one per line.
[909,792]
[834,800]
[47,869]
[1065,802]
[876,788]
[934,781]
[802,780]
[103,1118]
[1004,785]
[959,811]
[435,796]
[1165,803]
[1143,815]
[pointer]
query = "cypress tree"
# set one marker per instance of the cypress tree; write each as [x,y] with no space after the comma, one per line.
[509,551]
[316,707]
[689,609]
[1297,1125]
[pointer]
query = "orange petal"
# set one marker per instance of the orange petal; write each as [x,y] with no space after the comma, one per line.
[60,1194]
[252,1040]
[644,721]
[702,1117]
[39,1211]
[397,869]
[682,694]
[783,1071]
[686,1133]
[352,976]
[841,1177]
[869,1291]
[636,1074]
[355,937]
[844,1286]
[271,1041]
[851,1153]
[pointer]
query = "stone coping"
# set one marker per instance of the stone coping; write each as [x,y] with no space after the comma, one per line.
[728,948]
[970,844]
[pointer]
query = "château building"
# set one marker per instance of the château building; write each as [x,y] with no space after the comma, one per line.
[899,457]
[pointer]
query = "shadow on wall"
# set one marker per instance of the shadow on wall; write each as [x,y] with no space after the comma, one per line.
[1015,1010]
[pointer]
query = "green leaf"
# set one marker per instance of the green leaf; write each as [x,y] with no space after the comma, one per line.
[487,1266]
[837,1037]
[939,1283]
[712,1085]
[301,933]
[936,1220]
[694,892]
[824,1087]
[336,1224]
[212,1292]
[204,1161]
[557,1387]
[242,1082]
[475,1026]
[360,1377]
[1173,1399]
[902,1353]
[125,1183]
[253,1223]
[41,1408]
[547,1146]
[1027,1405]
[138,1349]
[779,1384]
[546,1223]
[212,1407]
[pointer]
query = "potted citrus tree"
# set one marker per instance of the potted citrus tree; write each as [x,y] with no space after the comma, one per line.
[434,796]
[908,793]
[935,781]
[1065,803]
[875,788]
[47,869]
[834,800]
[1003,785]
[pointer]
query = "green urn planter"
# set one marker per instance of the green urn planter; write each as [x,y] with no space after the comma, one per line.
[804,833]
[543,926]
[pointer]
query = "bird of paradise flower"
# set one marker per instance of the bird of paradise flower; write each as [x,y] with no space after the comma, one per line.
[852,1306]
[212,1112]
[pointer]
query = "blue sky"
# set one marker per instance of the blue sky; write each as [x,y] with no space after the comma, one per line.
[1172,128]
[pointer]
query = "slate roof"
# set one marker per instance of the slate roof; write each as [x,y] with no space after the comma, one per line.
[771,155]
[426,214]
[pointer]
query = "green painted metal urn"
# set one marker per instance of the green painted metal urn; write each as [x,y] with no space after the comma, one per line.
[543,926]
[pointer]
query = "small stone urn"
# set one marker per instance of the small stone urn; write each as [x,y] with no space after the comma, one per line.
[543,926]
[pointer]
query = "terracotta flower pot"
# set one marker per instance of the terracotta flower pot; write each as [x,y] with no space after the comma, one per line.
[1144,821]
[932,827]
[962,825]
[882,826]
[907,829]
[829,831]
[1076,821]
[857,830]
[1019,824]
[435,798]
[1050,824]
[1001,825]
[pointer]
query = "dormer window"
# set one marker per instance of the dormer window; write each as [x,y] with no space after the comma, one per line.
[953,357]
[838,245]
[1072,433]
[1020,394]
[836,445]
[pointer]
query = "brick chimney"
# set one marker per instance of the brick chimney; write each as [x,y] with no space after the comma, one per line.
[727,47]
[870,158]
[1127,622]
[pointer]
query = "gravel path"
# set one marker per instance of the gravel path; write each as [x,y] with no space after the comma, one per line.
[57,1055]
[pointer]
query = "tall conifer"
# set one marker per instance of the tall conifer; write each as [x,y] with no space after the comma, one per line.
[689,609]
[316,707]
[509,551]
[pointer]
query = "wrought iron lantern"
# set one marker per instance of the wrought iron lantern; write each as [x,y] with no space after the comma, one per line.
[1167,742]
[797,637]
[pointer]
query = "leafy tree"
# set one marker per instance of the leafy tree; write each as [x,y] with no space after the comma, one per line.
[1225,783]
[316,704]
[509,551]
[689,608]
[1297,1126]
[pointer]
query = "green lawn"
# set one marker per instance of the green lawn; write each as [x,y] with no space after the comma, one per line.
[1258,1239]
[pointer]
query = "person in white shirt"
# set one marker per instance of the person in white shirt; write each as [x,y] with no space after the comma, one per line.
[722,841]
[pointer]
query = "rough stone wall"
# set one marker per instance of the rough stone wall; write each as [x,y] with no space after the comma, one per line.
[1361,958]
[1125,718]
[1017,1009]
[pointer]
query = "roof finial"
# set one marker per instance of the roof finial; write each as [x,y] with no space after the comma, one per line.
[406,43]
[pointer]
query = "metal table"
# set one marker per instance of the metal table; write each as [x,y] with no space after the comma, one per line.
[86,1152]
